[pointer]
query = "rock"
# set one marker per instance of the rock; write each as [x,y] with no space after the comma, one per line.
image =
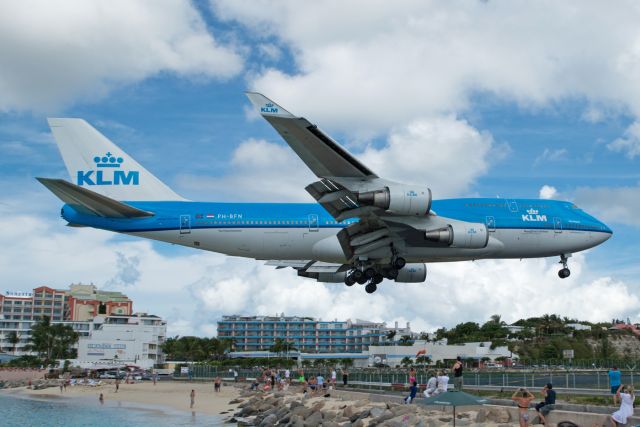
[330,424]
[463,422]
[386,415]
[295,404]
[402,409]
[235,401]
[348,412]
[246,421]
[481,417]
[361,403]
[269,421]
[317,406]
[313,420]
[376,412]
[303,411]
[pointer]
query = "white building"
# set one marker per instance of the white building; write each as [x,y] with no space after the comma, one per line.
[123,339]
[439,351]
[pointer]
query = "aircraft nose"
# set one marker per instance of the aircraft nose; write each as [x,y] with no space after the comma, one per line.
[605,234]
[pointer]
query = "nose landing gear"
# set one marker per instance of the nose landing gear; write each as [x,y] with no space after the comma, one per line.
[564,272]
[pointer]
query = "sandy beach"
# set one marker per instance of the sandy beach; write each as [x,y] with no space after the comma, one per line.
[165,394]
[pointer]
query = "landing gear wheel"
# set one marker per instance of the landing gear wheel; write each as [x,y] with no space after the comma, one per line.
[391,274]
[370,273]
[378,278]
[399,262]
[564,273]
[357,275]
[362,280]
[371,288]
[349,280]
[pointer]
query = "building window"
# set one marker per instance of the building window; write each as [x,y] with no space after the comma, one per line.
[102,309]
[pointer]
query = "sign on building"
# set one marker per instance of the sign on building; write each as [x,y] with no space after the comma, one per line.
[567,354]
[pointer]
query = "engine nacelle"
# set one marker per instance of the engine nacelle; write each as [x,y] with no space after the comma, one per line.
[412,273]
[399,199]
[464,235]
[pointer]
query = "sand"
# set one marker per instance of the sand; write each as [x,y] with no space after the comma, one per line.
[165,394]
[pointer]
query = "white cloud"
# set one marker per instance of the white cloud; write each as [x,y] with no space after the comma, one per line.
[53,53]
[548,192]
[551,155]
[629,143]
[611,204]
[367,66]
[426,151]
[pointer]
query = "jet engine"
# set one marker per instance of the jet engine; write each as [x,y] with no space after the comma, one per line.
[399,199]
[412,273]
[464,235]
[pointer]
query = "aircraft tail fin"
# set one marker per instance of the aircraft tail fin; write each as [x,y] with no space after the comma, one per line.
[94,162]
[89,202]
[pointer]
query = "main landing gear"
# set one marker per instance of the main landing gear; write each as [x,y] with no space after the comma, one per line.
[564,272]
[374,275]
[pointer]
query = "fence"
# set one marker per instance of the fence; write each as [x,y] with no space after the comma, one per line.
[382,378]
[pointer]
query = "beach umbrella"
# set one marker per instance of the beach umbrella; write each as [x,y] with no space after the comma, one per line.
[453,398]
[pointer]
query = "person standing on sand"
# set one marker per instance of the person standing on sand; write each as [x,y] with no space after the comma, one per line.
[345,377]
[457,374]
[217,383]
[192,396]
[117,384]
[523,398]
[101,399]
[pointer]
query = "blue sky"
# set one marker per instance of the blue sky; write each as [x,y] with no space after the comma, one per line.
[473,99]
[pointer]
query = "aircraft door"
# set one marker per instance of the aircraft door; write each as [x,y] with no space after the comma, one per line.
[491,223]
[185,224]
[313,222]
[513,205]
[557,225]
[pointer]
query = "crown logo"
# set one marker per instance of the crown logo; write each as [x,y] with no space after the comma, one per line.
[532,211]
[269,105]
[108,161]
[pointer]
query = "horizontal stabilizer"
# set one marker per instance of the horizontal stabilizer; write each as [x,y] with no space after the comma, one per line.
[89,202]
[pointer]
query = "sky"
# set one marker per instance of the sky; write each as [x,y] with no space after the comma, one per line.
[472,98]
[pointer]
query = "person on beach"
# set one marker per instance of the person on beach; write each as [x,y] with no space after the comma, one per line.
[61,386]
[345,377]
[457,374]
[432,385]
[192,396]
[413,390]
[543,408]
[523,398]
[216,384]
[412,375]
[334,377]
[101,399]
[117,384]
[287,375]
[626,395]
[614,383]
[443,383]
[235,375]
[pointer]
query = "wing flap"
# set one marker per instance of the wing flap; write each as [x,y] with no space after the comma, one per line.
[87,201]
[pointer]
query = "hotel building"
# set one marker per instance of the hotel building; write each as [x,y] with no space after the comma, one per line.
[308,335]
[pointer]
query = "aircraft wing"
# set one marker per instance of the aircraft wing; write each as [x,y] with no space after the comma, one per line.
[318,151]
[346,188]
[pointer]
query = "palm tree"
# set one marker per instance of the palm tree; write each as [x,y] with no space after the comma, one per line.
[406,361]
[391,335]
[14,339]
[405,340]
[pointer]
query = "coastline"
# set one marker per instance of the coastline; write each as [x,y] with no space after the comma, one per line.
[165,395]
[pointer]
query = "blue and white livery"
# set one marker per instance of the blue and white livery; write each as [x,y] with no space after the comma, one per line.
[362,229]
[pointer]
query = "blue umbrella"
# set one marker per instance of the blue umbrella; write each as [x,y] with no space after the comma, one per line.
[453,398]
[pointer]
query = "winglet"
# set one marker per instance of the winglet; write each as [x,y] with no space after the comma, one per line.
[267,107]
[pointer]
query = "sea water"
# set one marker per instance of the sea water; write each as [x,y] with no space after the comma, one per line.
[18,411]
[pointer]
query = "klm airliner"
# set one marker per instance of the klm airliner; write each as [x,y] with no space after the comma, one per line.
[363,228]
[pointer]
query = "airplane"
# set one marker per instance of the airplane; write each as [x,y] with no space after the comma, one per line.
[362,229]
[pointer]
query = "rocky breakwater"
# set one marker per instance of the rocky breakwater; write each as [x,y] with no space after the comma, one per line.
[297,410]
[35,384]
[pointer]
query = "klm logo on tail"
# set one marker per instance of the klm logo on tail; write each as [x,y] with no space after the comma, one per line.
[108,173]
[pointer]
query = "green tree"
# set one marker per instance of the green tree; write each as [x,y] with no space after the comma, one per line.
[405,340]
[391,335]
[52,341]
[14,339]
[281,346]
[346,362]
[406,361]
[423,360]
